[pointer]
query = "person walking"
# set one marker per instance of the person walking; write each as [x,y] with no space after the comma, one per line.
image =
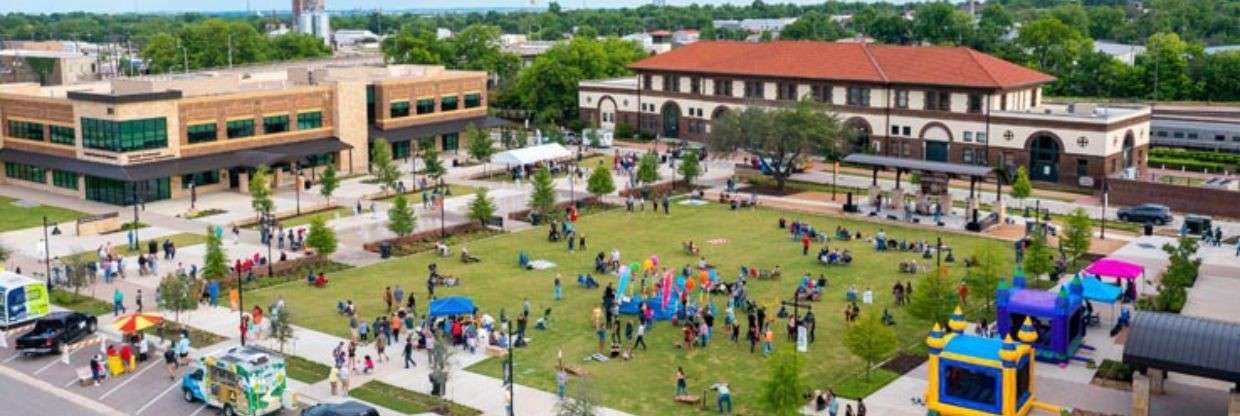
[725,397]
[408,353]
[170,362]
[558,291]
[118,302]
[561,382]
[682,386]
[333,377]
[640,338]
[138,300]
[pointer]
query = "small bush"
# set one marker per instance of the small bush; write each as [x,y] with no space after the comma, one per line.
[1115,370]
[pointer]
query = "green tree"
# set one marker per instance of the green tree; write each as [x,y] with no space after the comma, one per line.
[401,219]
[328,182]
[441,364]
[940,23]
[1182,269]
[521,138]
[983,278]
[542,198]
[1071,14]
[885,25]
[1021,187]
[870,340]
[260,191]
[321,238]
[415,44]
[689,167]
[1165,67]
[784,388]
[648,169]
[1039,257]
[934,297]
[814,25]
[1220,76]
[177,294]
[549,84]
[382,166]
[295,45]
[1077,235]
[479,143]
[79,274]
[600,182]
[282,326]
[1107,22]
[215,262]
[482,207]
[162,54]
[781,137]
[1053,46]
[477,47]
[580,400]
[431,165]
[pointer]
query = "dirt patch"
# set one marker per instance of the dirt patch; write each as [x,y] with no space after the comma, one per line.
[1010,232]
[1105,247]
[903,363]
[817,196]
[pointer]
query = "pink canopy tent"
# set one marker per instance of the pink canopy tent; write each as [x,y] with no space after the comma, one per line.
[1119,269]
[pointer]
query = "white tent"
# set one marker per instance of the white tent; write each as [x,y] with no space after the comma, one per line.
[531,155]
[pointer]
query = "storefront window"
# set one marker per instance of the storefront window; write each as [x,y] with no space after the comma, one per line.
[62,135]
[25,130]
[210,177]
[200,133]
[240,128]
[120,193]
[275,124]
[125,136]
[65,179]
[22,171]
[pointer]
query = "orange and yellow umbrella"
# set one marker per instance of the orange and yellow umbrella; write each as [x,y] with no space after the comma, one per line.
[134,322]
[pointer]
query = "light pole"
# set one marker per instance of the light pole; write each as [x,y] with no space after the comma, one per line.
[297,183]
[443,232]
[1106,187]
[47,251]
[512,397]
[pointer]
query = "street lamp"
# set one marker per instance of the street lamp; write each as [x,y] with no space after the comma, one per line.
[47,251]
[512,397]
[443,232]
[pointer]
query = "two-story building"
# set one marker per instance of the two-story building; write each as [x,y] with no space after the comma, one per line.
[933,103]
[160,137]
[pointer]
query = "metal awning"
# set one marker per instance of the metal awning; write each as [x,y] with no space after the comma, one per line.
[1184,344]
[248,158]
[404,134]
[918,165]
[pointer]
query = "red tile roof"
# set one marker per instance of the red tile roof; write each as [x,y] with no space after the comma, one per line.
[926,65]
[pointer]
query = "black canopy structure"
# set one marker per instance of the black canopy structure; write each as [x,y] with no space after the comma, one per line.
[404,134]
[249,158]
[1184,344]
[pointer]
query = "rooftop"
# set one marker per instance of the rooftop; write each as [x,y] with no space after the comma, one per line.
[929,65]
[1185,344]
[42,54]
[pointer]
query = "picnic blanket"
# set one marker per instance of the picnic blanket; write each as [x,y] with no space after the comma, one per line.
[541,264]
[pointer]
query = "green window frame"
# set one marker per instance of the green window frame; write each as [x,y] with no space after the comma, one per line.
[448,103]
[240,128]
[26,130]
[451,142]
[401,150]
[426,106]
[473,100]
[201,133]
[275,124]
[125,136]
[309,120]
[65,179]
[399,109]
[62,134]
[22,171]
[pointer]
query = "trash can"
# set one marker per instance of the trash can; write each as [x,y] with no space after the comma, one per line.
[1149,228]
[385,250]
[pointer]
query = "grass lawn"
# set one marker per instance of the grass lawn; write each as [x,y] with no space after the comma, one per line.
[304,370]
[18,217]
[197,337]
[645,384]
[407,401]
[180,240]
[80,303]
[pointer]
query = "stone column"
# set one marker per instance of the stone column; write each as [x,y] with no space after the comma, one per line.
[923,200]
[971,204]
[1140,395]
[275,179]
[1158,378]
[243,182]
[1233,408]
[945,201]
[1000,208]
[876,193]
[897,199]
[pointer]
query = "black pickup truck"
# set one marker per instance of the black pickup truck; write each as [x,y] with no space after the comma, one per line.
[52,332]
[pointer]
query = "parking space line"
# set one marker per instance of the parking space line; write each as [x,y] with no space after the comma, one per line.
[72,382]
[49,365]
[174,385]
[131,378]
[200,408]
[14,357]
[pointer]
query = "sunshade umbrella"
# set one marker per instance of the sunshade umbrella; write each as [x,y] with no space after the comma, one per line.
[134,322]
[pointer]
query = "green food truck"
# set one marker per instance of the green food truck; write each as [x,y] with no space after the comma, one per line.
[242,381]
[22,299]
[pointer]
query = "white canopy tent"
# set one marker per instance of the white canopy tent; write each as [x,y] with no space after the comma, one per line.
[531,155]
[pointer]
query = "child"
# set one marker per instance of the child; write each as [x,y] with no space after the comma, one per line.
[369,366]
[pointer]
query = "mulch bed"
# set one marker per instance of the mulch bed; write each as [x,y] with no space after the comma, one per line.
[903,363]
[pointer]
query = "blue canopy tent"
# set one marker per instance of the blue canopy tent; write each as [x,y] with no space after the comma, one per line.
[454,305]
[1097,290]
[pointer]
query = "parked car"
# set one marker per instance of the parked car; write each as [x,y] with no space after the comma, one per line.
[1155,213]
[347,408]
[52,332]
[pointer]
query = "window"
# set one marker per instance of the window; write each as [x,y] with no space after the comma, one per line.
[1179,135]
[26,130]
[966,156]
[399,109]
[908,131]
[980,136]
[64,179]
[723,87]
[967,384]
[938,101]
[473,100]
[1162,133]
[448,103]
[426,106]
[22,171]
[1082,167]
[671,83]
[62,134]
[209,177]
[859,96]
[755,89]
[240,128]
[451,142]
[822,93]
[647,82]
[124,136]
[200,133]
[1219,137]
[275,124]
[310,120]
[788,91]
[901,98]
[906,149]
[975,103]
[895,130]
[695,85]
[968,137]
[121,193]
[401,150]
[1192,136]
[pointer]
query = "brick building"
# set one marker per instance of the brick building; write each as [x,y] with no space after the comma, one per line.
[933,103]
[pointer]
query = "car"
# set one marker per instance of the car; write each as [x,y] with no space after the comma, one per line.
[346,408]
[53,332]
[1154,213]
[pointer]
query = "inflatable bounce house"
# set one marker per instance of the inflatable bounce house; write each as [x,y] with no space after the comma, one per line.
[1059,318]
[971,375]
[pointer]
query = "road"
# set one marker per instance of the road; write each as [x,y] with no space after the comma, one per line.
[20,398]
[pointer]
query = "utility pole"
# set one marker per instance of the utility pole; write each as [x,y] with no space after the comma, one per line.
[230,46]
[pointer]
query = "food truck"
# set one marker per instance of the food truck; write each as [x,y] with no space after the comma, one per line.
[22,299]
[242,381]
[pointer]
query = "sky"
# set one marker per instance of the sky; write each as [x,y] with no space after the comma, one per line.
[147,6]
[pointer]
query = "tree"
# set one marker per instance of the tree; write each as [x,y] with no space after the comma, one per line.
[477,47]
[295,45]
[940,23]
[885,25]
[321,238]
[1182,268]
[215,262]
[1071,14]
[870,340]
[1165,67]
[1039,258]
[542,198]
[440,365]
[780,137]
[1021,187]
[648,169]
[600,182]
[382,166]
[814,25]
[282,326]
[415,44]
[177,294]
[1053,47]
[482,207]
[689,167]
[983,278]
[1077,235]
[1220,76]
[260,191]
[431,165]
[522,138]
[783,391]
[401,219]
[1106,22]
[549,84]
[328,182]
[79,274]
[934,297]
[479,143]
